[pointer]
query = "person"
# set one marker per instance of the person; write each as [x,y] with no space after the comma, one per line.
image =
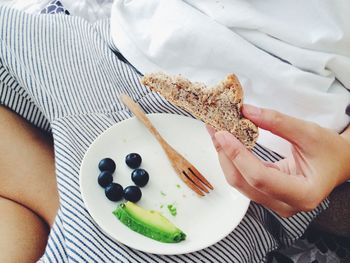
[29,196]
[320,162]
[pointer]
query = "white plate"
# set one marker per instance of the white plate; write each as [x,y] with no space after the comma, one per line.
[205,220]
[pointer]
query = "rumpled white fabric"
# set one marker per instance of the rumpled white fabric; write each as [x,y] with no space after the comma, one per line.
[91,10]
[291,55]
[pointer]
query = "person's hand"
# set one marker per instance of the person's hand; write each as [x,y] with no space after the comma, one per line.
[320,161]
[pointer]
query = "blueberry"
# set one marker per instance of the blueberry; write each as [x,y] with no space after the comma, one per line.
[132,193]
[133,160]
[105,178]
[107,164]
[114,192]
[140,177]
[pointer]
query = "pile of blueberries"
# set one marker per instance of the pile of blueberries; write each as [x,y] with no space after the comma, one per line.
[114,191]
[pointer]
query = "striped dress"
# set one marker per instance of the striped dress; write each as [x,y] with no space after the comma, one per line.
[64,75]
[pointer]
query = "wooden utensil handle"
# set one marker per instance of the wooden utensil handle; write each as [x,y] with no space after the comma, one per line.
[138,112]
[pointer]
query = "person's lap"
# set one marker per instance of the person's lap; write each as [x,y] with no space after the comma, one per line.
[28,192]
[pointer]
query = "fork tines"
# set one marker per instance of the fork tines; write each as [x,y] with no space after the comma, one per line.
[196,181]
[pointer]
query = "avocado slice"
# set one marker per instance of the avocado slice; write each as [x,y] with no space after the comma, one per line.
[148,223]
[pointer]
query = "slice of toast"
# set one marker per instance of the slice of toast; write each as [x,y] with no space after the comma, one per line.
[219,106]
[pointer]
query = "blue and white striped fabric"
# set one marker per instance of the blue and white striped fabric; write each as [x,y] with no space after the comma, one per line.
[64,75]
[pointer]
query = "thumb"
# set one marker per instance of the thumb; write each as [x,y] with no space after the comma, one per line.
[296,131]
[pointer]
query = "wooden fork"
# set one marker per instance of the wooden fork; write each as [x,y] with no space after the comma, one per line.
[187,172]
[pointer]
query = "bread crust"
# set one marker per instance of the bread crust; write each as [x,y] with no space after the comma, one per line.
[219,106]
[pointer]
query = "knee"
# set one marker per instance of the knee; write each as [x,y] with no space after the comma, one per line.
[23,234]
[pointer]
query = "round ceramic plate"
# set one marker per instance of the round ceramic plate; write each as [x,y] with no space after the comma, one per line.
[205,220]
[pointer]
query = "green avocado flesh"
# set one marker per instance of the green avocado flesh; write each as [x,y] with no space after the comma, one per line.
[148,223]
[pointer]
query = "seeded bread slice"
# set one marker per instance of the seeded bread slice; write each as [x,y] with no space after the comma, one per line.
[219,106]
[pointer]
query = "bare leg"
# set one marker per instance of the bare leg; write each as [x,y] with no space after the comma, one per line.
[28,186]
[23,235]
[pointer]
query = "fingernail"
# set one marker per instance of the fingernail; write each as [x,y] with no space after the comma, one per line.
[251,110]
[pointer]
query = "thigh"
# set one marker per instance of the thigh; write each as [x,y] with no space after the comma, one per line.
[27,172]
[23,235]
